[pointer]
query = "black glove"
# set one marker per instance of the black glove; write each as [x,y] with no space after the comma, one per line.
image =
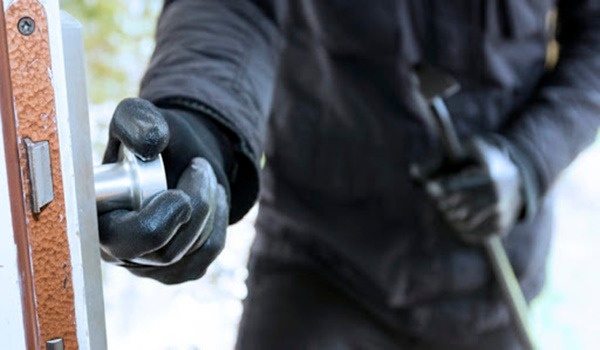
[176,234]
[482,196]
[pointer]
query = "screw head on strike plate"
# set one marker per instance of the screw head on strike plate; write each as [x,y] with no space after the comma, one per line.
[26,26]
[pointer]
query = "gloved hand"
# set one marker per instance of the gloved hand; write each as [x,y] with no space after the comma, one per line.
[480,197]
[176,234]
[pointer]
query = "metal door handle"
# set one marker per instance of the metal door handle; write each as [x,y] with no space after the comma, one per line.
[128,183]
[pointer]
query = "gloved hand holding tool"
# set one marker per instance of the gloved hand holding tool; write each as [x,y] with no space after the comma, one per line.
[478,189]
[174,235]
[482,197]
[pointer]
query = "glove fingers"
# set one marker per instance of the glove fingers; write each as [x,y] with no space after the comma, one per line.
[140,126]
[458,214]
[221,221]
[478,198]
[471,180]
[128,234]
[479,218]
[200,184]
[467,207]
[474,220]
[445,203]
[194,265]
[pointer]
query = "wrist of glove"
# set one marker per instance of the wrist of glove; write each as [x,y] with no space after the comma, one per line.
[484,195]
[176,234]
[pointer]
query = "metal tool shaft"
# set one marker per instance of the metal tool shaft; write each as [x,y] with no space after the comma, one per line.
[509,285]
[511,290]
[435,85]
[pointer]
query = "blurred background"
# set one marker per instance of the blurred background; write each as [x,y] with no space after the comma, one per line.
[141,313]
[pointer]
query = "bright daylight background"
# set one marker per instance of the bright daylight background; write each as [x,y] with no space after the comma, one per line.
[142,314]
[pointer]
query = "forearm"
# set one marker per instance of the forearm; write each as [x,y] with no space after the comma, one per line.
[218,58]
[564,115]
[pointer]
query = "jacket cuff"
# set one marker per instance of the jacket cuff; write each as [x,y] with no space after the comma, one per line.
[530,188]
[235,168]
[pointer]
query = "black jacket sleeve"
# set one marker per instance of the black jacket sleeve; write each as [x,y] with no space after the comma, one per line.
[564,115]
[218,57]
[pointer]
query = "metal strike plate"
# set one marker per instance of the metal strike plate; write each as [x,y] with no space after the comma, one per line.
[55,344]
[40,174]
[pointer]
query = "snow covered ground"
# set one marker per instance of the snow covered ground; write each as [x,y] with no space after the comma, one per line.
[143,314]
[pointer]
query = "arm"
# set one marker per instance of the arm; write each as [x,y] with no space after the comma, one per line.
[209,85]
[510,172]
[218,58]
[563,116]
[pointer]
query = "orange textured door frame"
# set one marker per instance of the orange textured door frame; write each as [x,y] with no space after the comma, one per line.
[16,213]
[58,250]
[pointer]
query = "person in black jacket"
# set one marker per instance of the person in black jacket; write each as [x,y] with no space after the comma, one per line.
[351,252]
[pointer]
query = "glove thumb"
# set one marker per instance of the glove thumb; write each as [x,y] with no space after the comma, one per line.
[140,126]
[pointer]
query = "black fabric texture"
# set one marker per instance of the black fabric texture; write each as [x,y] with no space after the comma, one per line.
[325,88]
[561,117]
[292,306]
